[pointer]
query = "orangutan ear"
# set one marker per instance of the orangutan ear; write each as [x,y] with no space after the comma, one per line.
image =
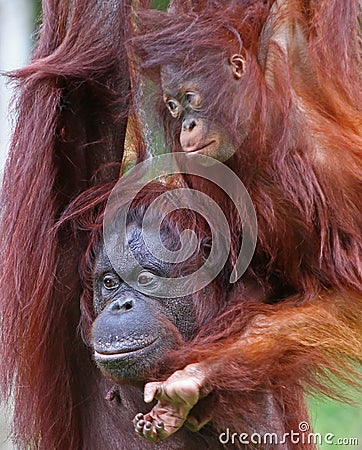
[237,63]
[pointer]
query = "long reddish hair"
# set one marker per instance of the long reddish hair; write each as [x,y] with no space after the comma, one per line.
[72,109]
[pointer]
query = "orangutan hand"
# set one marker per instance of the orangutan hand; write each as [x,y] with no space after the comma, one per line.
[176,397]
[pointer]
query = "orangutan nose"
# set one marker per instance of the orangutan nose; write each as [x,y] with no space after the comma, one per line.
[188,124]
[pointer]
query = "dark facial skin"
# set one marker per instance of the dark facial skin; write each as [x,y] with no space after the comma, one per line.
[185,101]
[133,331]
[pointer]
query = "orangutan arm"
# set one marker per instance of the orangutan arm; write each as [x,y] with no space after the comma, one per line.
[287,343]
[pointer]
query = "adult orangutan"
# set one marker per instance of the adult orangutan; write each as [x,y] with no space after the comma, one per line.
[131,331]
[273,90]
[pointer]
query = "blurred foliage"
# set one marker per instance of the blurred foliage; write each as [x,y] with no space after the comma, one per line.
[156,4]
[37,8]
[344,421]
[160,4]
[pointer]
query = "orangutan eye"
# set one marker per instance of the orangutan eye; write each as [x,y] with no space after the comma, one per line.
[145,278]
[110,281]
[193,99]
[173,106]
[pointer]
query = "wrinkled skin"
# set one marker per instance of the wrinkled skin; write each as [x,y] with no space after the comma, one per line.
[133,331]
[176,397]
